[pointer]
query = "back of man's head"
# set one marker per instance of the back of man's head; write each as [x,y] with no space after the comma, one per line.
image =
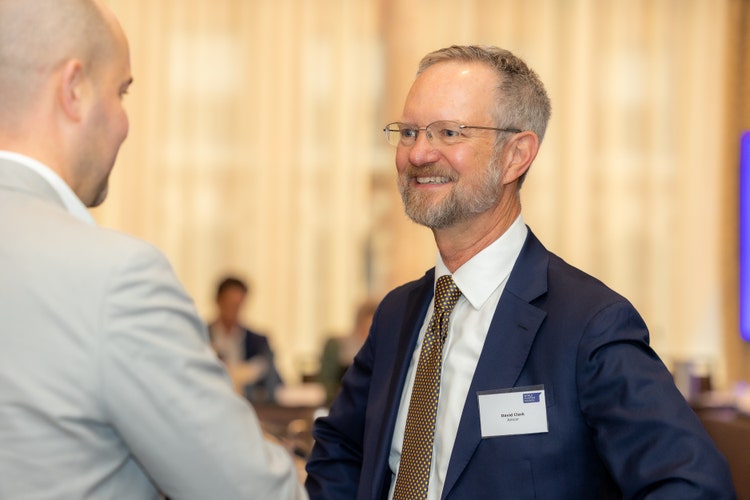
[36,36]
[64,66]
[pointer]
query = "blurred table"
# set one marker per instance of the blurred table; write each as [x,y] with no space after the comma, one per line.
[291,427]
[289,418]
[730,430]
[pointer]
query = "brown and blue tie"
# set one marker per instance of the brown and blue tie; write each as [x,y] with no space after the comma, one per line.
[416,455]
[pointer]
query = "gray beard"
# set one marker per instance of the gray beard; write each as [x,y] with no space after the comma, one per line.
[458,206]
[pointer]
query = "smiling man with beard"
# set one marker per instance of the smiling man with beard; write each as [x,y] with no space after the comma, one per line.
[504,372]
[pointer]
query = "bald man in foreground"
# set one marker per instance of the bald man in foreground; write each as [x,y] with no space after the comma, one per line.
[108,386]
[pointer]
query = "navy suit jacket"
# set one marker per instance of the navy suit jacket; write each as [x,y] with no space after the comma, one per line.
[618,427]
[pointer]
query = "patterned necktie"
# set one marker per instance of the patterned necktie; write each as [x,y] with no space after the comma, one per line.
[416,455]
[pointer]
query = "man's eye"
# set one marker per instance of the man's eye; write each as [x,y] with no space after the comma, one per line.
[450,133]
[409,133]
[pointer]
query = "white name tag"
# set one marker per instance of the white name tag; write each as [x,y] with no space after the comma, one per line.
[507,412]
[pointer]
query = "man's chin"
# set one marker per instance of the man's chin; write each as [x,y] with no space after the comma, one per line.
[99,198]
[431,217]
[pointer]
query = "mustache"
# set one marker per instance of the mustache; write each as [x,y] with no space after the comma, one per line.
[429,171]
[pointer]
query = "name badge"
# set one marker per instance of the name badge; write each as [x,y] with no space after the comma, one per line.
[509,412]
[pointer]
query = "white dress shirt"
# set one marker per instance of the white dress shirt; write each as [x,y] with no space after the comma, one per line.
[228,344]
[481,281]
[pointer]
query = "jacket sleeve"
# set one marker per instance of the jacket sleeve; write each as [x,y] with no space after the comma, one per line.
[170,398]
[651,440]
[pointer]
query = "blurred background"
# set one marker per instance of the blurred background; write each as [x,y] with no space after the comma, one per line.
[256,148]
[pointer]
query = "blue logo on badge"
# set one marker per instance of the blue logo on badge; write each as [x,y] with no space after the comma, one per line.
[531,397]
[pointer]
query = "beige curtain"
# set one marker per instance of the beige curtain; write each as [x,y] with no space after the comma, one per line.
[256,148]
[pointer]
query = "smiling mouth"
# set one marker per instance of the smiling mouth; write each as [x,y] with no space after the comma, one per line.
[432,180]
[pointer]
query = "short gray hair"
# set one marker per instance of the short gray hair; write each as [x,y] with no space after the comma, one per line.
[522,100]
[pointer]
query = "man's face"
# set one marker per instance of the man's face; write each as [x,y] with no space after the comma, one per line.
[229,303]
[106,125]
[445,184]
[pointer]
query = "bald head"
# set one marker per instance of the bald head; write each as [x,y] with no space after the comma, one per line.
[37,36]
[64,68]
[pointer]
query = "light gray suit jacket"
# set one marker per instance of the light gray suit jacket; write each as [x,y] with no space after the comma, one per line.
[108,387]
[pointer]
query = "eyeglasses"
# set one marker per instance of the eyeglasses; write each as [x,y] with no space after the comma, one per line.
[443,132]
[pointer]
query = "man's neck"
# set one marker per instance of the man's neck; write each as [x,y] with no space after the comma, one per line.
[462,241]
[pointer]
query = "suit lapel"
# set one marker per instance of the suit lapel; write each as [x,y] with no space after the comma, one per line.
[416,305]
[509,340]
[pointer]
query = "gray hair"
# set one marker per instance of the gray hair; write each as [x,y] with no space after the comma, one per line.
[522,101]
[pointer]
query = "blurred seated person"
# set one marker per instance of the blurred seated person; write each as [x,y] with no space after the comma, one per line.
[247,354]
[339,352]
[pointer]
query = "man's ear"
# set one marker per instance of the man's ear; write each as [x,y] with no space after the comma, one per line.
[520,151]
[72,89]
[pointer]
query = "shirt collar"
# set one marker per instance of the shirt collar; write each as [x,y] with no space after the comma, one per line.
[487,270]
[71,202]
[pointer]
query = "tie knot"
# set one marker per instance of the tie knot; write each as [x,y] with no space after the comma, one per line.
[446,293]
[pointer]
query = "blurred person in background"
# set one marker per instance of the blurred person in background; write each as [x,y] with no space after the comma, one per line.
[246,353]
[338,352]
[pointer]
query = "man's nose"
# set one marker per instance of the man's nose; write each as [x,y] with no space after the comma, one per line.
[423,151]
